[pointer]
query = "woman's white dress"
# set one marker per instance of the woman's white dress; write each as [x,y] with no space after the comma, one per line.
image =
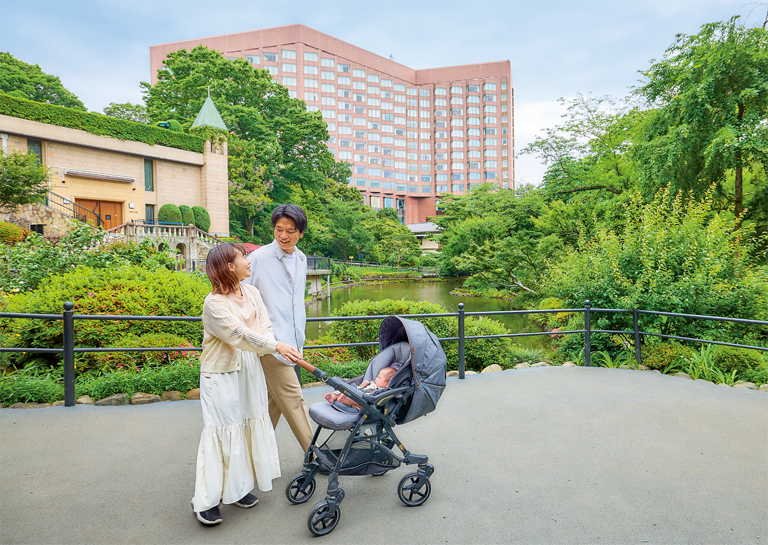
[237,447]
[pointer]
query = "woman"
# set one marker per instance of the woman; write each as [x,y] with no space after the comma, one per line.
[237,446]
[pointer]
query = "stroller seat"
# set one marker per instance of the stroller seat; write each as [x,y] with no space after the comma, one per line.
[338,416]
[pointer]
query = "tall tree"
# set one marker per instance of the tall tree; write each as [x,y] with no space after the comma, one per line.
[288,142]
[710,95]
[28,81]
[127,111]
[587,152]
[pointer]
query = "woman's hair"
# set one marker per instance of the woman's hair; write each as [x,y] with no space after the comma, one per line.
[293,212]
[217,263]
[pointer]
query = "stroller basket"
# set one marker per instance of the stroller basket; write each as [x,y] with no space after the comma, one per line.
[363,458]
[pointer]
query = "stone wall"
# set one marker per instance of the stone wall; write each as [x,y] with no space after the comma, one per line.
[55,223]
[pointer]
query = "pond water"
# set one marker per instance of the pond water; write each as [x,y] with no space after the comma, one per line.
[434,292]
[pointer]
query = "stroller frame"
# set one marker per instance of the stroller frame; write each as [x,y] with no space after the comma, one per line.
[372,434]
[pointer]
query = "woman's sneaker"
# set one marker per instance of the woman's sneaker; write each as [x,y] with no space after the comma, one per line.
[210,517]
[247,501]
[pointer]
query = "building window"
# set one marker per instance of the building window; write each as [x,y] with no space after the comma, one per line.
[289,67]
[327,62]
[388,202]
[38,228]
[375,201]
[289,81]
[441,188]
[361,181]
[473,88]
[149,176]
[329,88]
[253,59]
[413,189]
[472,99]
[373,78]
[489,86]
[457,187]
[271,57]
[288,54]
[374,183]
[343,80]
[358,73]
[311,70]
[35,147]
[457,176]
[456,90]
[149,212]
[473,175]
[490,176]
[386,83]
[310,57]
[311,83]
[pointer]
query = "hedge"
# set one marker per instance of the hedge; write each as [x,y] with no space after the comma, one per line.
[202,218]
[169,213]
[187,216]
[98,124]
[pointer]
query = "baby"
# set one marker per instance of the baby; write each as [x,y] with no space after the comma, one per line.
[381,381]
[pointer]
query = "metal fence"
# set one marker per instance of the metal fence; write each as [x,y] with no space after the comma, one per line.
[68,317]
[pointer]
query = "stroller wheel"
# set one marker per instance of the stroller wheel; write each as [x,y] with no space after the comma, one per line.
[294,493]
[410,493]
[320,522]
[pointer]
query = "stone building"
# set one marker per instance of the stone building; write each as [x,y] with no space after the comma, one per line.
[111,181]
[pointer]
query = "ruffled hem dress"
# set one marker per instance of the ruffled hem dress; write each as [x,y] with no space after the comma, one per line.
[237,447]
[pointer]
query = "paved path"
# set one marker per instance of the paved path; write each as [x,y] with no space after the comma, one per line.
[546,455]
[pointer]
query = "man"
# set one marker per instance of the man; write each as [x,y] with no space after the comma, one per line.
[279,272]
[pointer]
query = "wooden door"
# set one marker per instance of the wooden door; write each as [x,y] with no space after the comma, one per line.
[111,212]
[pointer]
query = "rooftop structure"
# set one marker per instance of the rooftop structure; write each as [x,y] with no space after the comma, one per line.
[409,135]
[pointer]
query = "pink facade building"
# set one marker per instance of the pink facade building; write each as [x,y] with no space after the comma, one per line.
[409,135]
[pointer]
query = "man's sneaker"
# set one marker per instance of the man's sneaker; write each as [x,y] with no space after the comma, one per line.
[247,501]
[210,517]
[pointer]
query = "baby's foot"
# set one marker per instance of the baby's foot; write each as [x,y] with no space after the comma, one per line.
[329,397]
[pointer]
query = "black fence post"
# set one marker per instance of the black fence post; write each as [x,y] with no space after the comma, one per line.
[635,323]
[69,354]
[461,340]
[587,340]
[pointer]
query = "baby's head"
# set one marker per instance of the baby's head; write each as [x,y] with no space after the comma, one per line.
[384,376]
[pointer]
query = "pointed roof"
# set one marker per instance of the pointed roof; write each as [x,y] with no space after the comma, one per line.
[209,116]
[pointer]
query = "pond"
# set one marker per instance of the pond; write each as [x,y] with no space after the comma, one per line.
[434,292]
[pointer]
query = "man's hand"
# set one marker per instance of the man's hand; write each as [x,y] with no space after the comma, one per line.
[288,352]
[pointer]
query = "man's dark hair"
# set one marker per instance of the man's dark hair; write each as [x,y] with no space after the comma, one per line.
[292,212]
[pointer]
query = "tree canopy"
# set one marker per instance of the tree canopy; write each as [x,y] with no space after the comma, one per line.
[127,111]
[710,99]
[28,81]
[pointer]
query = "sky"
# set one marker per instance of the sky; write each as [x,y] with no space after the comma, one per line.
[100,49]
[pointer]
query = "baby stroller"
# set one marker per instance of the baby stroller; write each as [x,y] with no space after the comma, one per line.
[369,449]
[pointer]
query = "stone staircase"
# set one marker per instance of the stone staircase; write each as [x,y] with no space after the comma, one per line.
[191,244]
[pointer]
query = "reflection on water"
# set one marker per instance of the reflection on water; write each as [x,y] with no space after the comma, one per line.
[434,292]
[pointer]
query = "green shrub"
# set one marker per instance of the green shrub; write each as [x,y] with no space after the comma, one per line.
[202,219]
[181,376]
[113,361]
[757,376]
[97,124]
[11,233]
[187,216]
[26,388]
[127,290]
[169,213]
[729,358]
[35,258]
[550,303]
[660,355]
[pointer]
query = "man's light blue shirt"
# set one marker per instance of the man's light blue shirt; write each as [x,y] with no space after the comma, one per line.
[282,292]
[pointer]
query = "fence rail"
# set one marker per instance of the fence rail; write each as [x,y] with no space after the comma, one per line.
[68,349]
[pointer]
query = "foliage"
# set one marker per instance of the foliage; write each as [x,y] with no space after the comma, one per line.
[97,124]
[187,216]
[605,359]
[660,355]
[126,289]
[28,81]
[490,234]
[11,233]
[25,265]
[202,219]
[22,178]
[674,255]
[29,388]
[710,94]
[729,358]
[169,213]
[130,112]
[112,361]
[756,376]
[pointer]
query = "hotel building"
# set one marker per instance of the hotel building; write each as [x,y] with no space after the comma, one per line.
[409,135]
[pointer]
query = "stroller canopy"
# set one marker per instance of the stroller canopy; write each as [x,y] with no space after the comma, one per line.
[428,361]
